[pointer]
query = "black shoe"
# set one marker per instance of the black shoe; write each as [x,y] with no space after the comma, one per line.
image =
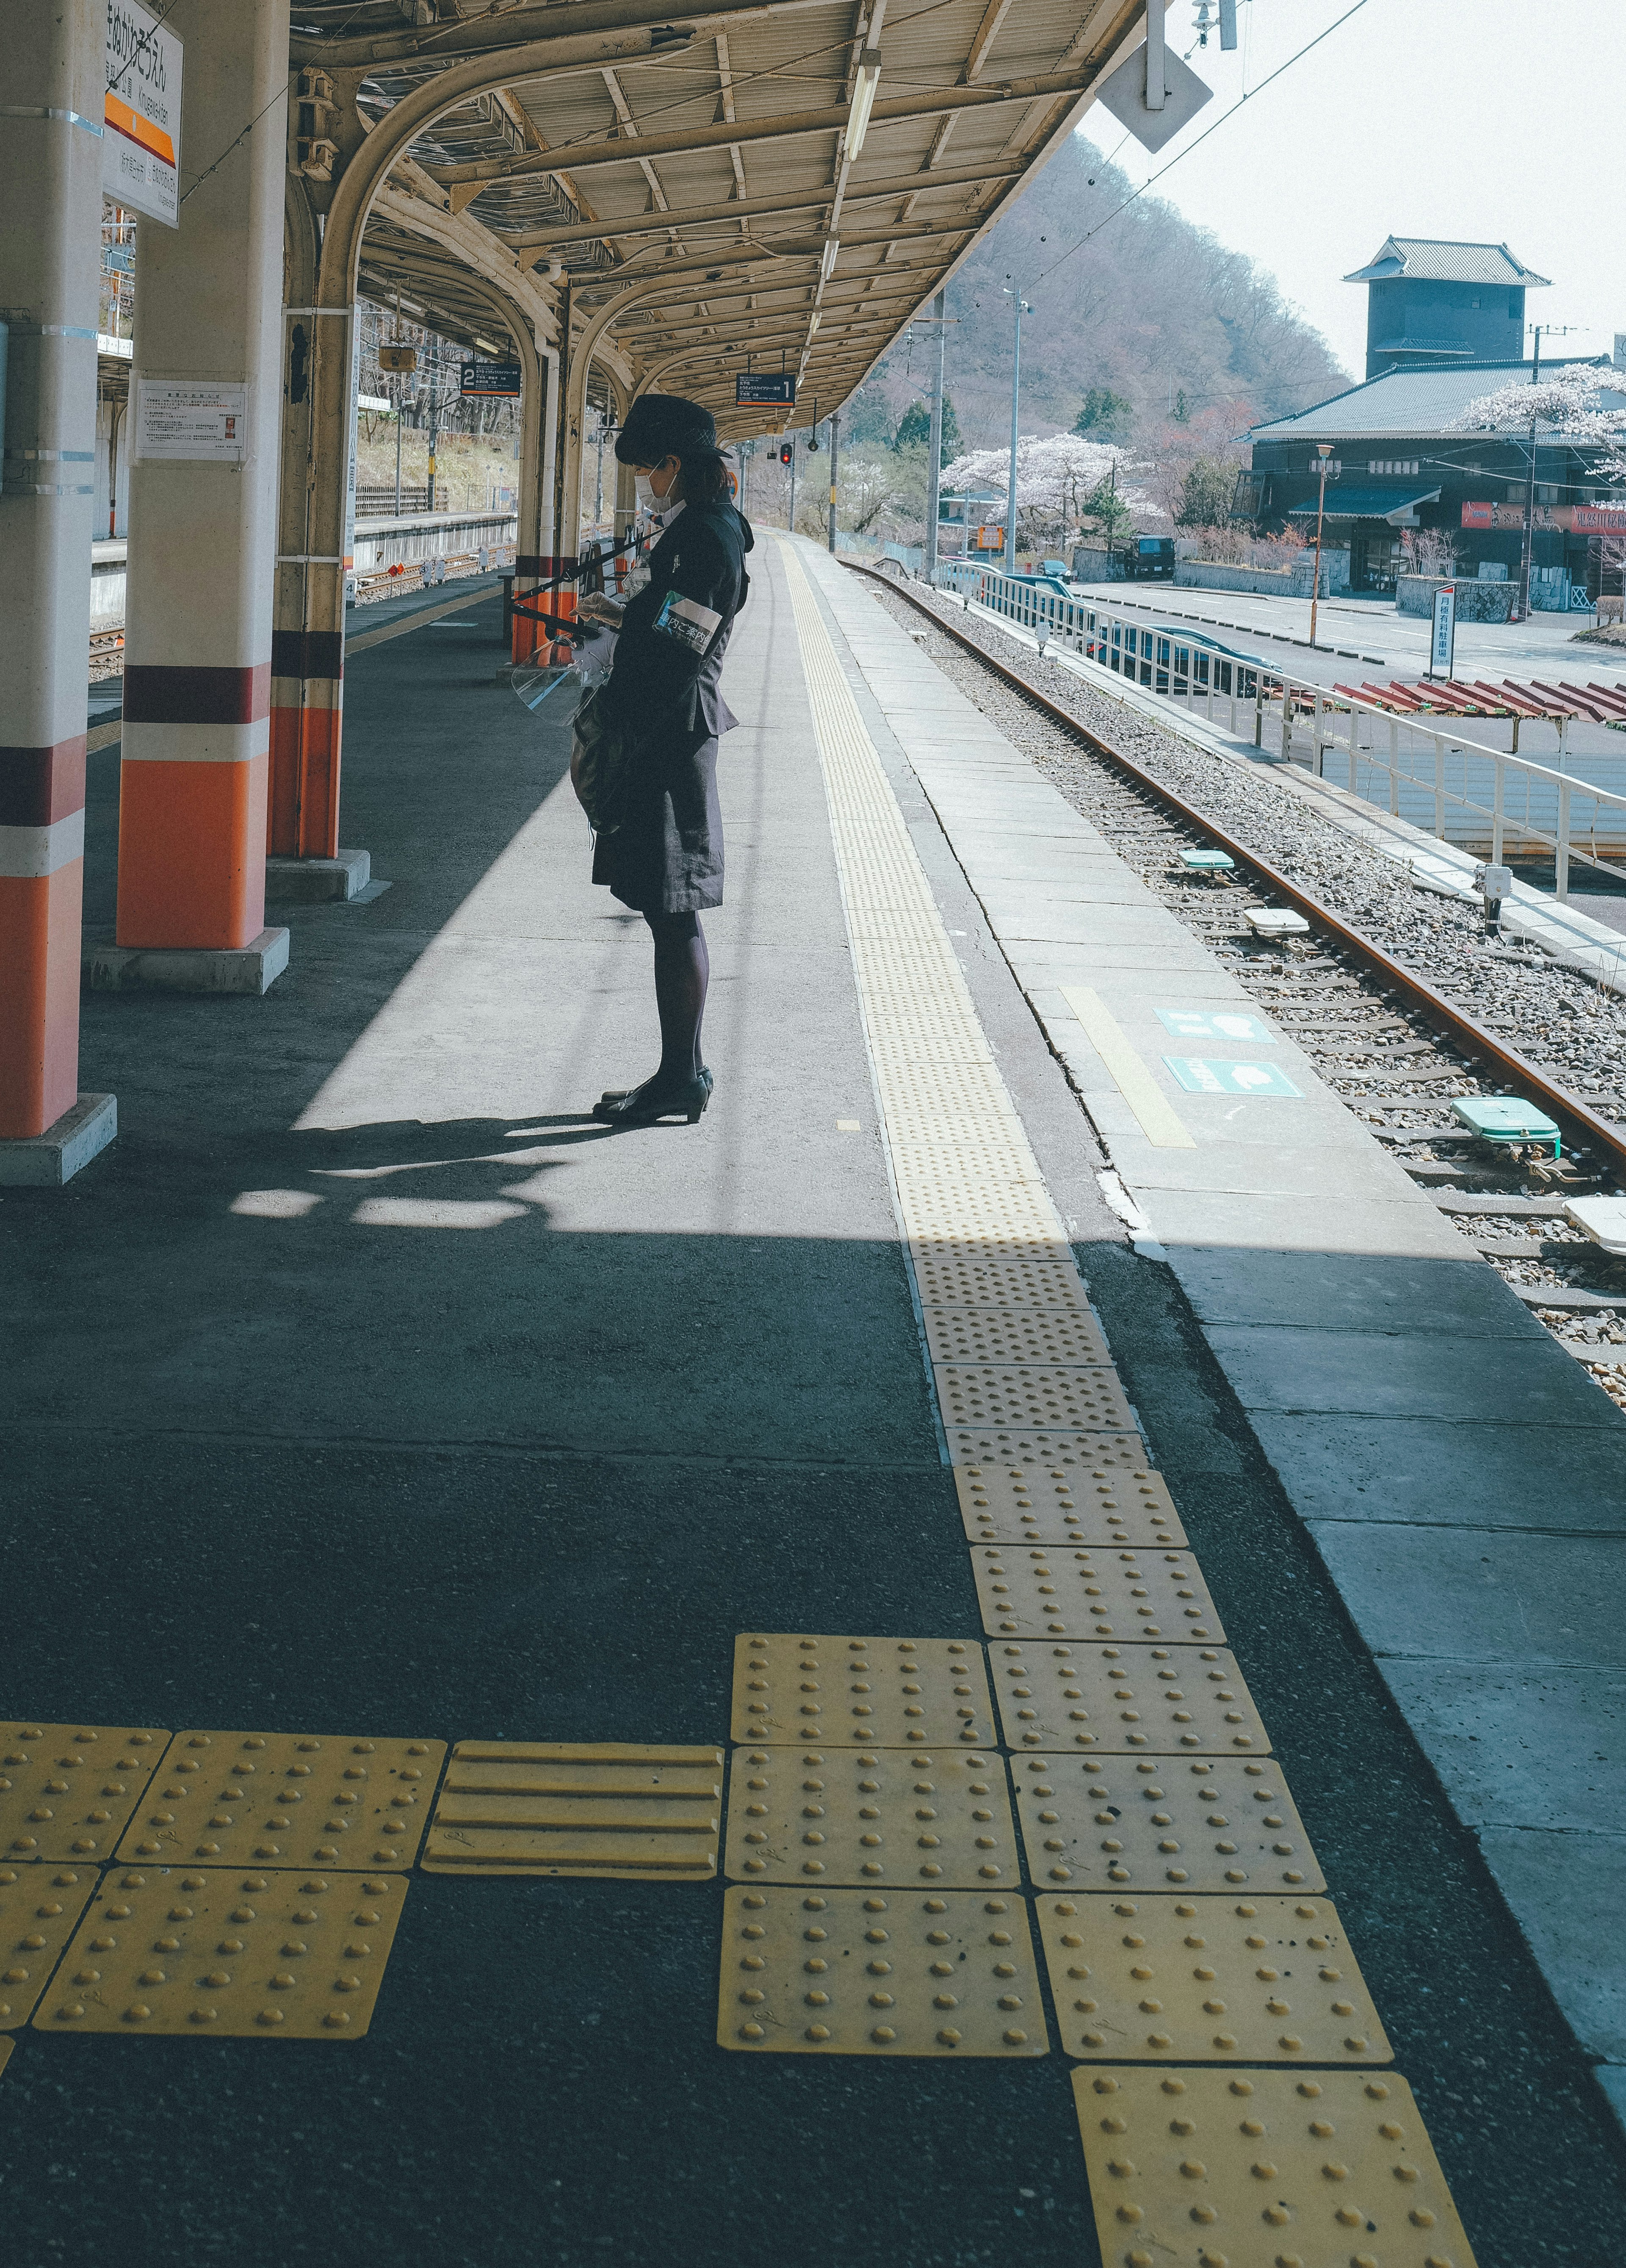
[619,1094]
[644,1105]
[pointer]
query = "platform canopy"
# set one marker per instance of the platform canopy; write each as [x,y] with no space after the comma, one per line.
[778,183]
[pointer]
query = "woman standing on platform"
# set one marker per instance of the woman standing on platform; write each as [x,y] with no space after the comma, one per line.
[663,705]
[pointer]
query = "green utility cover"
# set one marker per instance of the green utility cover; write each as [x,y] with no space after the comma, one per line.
[1506,1118]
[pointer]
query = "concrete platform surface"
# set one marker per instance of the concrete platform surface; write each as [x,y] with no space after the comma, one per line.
[367,1385]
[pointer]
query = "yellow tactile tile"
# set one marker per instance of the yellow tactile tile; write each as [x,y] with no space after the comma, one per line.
[1025,1254]
[895,1972]
[1065,1495]
[869,1692]
[1000,1394]
[562,1807]
[1014,1213]
[38,1909]
[1166,1823]
[1124,1699]
[287,1800]
[1045,1335]
[1126,1591]
[67,1791]
[874,1816]
[215,1951]
[1206,2169]
[992,1447]
[1208,1979]
[975,1279]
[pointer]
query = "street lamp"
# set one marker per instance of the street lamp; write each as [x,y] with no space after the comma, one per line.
[1020,307]
[1323,450]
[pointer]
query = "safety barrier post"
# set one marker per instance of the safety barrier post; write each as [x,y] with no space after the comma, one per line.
[50,188]
[1439,785]
[1395,767]
[1495,817]
[1561,855]
[1259,709]
[195,750]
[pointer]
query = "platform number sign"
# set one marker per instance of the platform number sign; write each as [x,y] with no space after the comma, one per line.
[141,113]
[775,388]
[500,379]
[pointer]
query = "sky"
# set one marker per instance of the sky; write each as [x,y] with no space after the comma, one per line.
[1498,120]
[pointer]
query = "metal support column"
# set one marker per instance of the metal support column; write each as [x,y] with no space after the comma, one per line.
[50,189]
[197,671]
[835,435]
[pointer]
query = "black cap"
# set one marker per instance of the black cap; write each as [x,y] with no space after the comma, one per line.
[662,425]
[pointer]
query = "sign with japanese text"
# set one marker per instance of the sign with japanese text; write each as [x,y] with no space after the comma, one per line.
[198,424]
[762,388]
[141,113]
[492,378]
[1572,519]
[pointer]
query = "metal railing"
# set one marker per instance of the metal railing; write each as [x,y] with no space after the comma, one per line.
[1483,799]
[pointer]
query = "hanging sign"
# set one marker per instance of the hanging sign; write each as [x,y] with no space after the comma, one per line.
[141,113]
[502,379]
[398,357]
[762,388]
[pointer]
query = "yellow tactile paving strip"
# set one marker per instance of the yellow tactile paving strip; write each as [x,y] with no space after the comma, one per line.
[1210,1823]
[879,1815]
[1192,2167]
[67,1791]
[1130,1700]
[1255,1980]
[564,1808]
[287,1800]
[1065,1495]
[857,1972]
[1128,1591]
[874,1692]
[1049,1468]
[214,1952]
[40,1908]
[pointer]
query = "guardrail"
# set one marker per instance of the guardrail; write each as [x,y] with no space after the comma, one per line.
[1503,804]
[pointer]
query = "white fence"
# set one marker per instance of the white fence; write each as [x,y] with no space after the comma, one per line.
[1485,800]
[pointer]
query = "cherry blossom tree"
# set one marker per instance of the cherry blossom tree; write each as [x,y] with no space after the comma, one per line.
[1055,480]
[1570,402]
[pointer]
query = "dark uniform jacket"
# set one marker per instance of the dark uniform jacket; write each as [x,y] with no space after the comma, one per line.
[663,691]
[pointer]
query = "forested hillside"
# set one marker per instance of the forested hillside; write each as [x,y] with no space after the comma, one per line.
[1154,322]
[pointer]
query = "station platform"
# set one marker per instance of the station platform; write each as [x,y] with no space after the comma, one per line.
[367,1390]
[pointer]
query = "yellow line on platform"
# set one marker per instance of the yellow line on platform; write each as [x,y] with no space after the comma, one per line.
[1135,1083]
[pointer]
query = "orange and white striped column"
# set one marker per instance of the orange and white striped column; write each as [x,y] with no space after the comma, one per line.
[205,388]
[50,233]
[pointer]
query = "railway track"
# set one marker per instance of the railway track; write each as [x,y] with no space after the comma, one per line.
[1381,1031]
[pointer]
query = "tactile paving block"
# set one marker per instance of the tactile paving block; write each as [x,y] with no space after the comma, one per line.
[1135,1592]
[1195,2169]
[1024,1255]
[875,1815]
[869,1692]
[1064,1495]
[984,1279]
[857,1972]
[215,1951]
[67,1791]
[558,1808]
[38,1909]
[1262,1980]
[1000,1394]
[1123,1699]
[1045,1335]
[1172,1823]
[287,1800]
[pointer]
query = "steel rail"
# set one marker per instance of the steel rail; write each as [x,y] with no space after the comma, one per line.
[1556,1100]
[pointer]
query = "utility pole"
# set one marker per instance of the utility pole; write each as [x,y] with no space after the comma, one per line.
[791,438]
[1528,554]
[1323,449]
[934,445]
[1021,308]
[835,438]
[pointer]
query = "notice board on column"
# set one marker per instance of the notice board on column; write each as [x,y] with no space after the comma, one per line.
[141,113]
[201,423]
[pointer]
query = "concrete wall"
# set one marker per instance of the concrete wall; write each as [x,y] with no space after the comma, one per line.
[1282,583]
[1476,601]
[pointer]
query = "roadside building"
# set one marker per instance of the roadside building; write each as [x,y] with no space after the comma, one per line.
[1402,468]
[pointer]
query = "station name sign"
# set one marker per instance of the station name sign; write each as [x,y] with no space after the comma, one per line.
[141,113]
[1573,518]
[763,388]
[500,379]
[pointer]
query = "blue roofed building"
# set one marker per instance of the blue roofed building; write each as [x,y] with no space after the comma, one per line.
[1429,301]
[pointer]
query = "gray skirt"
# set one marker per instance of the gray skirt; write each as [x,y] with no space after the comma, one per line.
[667,856]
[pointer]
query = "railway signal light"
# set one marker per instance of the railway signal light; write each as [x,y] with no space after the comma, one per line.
[786,451]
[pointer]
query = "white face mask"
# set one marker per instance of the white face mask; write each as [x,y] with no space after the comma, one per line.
[648,501]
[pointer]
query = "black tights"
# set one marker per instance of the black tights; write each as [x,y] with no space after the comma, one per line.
[682,969]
